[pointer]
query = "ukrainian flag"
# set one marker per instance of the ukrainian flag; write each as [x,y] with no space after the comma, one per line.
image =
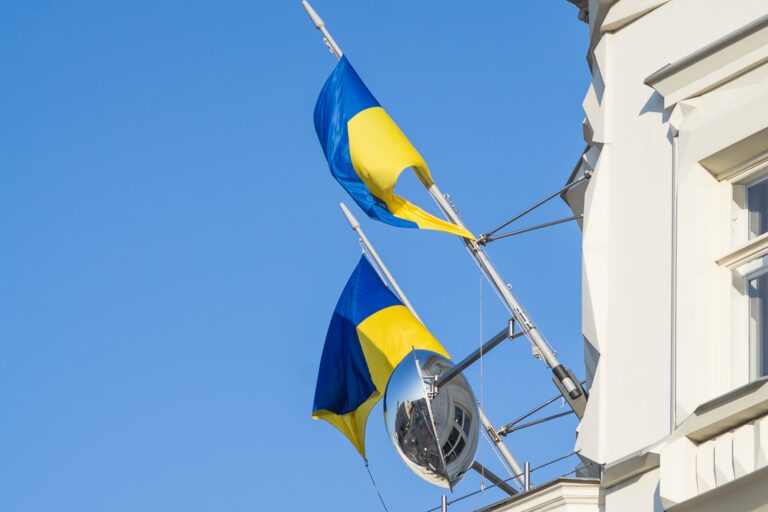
[370,333]
[367,152]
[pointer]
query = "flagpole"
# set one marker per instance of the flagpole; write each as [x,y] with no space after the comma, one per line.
[564,379]
[319,24]
[355,225]
[489,428]
[569,387]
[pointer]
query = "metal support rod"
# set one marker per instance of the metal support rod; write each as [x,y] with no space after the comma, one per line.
[486,240]
[527,476]
[529,413]
[517,471]
[444,503]
[355,225]
[508,430]
[571,391]
[494,479]
[485,236]
[474,356]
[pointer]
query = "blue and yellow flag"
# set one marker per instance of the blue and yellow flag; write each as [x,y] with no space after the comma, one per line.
[370,333]
[367,152]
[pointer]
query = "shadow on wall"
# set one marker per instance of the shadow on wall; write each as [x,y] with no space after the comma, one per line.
[655,105]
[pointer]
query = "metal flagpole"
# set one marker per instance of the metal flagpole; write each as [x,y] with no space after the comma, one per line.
[566,382]
[568,385]
[487,425]
[320,25]
[355,225]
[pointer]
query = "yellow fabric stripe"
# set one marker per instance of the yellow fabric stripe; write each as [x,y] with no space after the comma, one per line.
[353,423]
[380,152]
[386,337]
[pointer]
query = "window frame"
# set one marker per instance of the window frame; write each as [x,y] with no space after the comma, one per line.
[755,349]
[746,260]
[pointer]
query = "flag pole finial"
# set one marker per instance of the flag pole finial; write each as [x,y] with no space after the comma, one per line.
[316,19]
[319,24]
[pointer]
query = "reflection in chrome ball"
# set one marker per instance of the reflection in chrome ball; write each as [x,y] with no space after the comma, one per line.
[435,435]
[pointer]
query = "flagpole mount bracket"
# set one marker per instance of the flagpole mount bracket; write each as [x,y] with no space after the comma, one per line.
[508,333]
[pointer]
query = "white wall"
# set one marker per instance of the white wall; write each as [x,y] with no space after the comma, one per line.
[629,264]
[637,494]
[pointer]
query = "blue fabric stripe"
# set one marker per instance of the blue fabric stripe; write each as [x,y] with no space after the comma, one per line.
[344,381]
[343,96]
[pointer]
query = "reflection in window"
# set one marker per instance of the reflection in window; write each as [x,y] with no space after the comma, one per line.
[457,439]
[757,204]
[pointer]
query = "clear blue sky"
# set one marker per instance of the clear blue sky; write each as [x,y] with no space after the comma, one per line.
[171,248]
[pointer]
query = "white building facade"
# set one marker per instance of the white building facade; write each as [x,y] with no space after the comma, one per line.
[675,260]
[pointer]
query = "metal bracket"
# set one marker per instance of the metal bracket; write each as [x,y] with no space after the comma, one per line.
[491,430]
[578,404]
[504,431]
[494,478]
[487,238]
[430,381]
[453,371]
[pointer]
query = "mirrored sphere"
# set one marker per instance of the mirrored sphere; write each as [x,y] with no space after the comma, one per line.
[436,435]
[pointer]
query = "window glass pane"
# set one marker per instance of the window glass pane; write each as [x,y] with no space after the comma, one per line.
[454,436]
[458,415]
[758,315]
[757,203]
[460,446]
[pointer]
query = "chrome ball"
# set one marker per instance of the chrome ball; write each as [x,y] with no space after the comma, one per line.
[434,430]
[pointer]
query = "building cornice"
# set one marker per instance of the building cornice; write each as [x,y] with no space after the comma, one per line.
[554,496]
[715,448]
[630,466]
[748,493]
[714,64]
[726,412]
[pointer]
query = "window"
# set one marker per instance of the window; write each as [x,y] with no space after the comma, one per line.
[459,436]
[757,289]
[757,207]
[757,278]
[749,263]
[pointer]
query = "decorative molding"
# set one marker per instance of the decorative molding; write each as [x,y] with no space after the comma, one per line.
[746,493]
[628,11]
[729,139]
[754,248]
[740,157]
[728,411]
[747,169]
[714,64]
[629,467]
[563,494]
[700,456]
